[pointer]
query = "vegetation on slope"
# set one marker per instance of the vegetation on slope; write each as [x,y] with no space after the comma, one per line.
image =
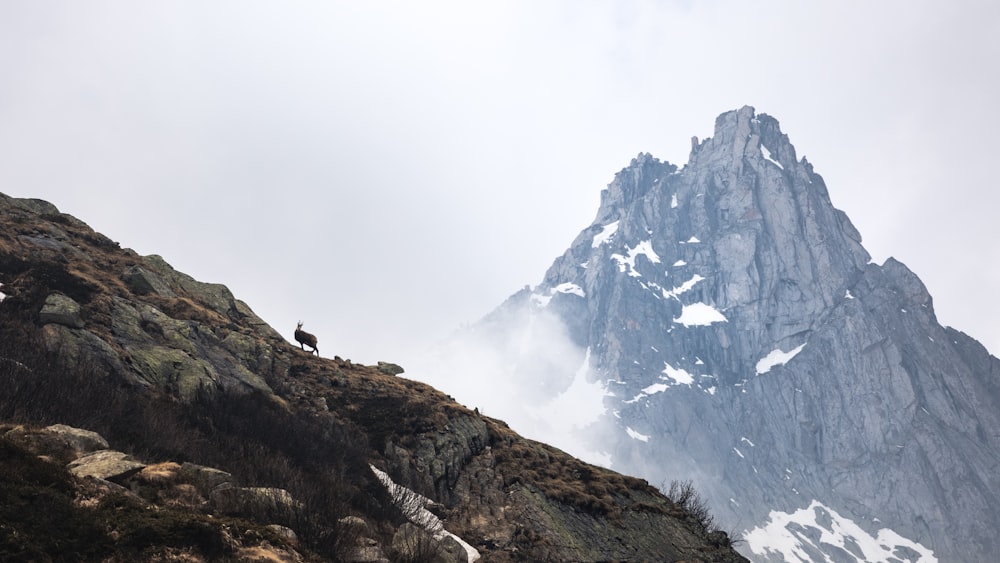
[312,431]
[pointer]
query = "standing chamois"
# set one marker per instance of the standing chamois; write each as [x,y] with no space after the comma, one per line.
[304,338]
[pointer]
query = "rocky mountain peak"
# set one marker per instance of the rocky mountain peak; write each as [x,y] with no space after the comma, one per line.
[736,331]
[744,234]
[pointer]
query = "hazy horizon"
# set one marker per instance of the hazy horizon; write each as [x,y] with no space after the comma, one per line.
[389,172]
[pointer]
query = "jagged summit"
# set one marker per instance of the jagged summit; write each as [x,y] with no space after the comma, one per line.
[745,233]
[733,329]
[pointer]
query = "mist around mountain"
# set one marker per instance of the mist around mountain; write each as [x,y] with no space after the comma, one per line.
[722,322]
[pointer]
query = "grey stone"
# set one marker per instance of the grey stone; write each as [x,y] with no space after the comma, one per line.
[253,500]
[390,368]
[205,479]
[105,464]
[84,441]
[142,281]
[60,309]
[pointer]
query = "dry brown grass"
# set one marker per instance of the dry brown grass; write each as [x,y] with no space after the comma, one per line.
[159,473]
[266,554]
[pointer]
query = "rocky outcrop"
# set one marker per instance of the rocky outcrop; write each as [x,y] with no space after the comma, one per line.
[170,364]
[142,317]
[108,465]
[61,310]
[148,504]
[253,500]
[746,341]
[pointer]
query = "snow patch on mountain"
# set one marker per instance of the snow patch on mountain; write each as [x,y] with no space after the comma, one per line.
[605,235]
[542,299]
[569,288]
[679,376]
[626,263]
[655,388]
[767,155]
[699,314]
[819,533]
[414,506]
[776,358]
[635,435]
[682,288]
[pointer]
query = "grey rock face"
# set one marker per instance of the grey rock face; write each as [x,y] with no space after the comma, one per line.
[142,281]
[81,440]
[735,319]
[259,500]
[105,464]
[62,310]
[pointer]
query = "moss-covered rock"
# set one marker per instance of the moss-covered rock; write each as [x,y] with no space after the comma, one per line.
[62,310]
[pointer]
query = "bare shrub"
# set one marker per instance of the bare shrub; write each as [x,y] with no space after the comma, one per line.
[684,495]
[412,544]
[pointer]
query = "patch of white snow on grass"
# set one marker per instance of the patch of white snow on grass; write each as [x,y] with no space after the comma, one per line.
[2,295]
[680,263]
[783,535]
[776,358]
[673,201]
[605,235]
[635,435]
[414,506]
[699,314]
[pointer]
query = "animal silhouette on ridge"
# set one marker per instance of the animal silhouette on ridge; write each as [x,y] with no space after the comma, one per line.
[305,339]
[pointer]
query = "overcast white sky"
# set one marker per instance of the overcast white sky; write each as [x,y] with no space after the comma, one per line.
[387,171]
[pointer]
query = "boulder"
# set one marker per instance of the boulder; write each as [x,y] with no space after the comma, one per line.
[389,368]
[109,465]
[59,443]
[60,309]
[205,479]
[258,501]
[142,281]
[83,441]
[285,533]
